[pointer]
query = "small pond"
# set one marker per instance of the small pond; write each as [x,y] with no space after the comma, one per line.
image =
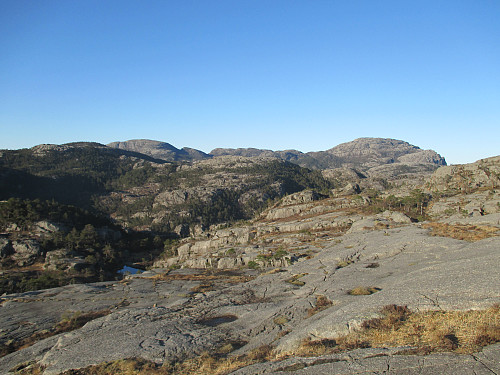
[126,270]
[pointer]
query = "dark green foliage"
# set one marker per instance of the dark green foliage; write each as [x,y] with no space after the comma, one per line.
[26,281]
[413,205]
[223,207]
[143,175]
[170,248]
[85,236]
[72,176]
[48,279]
[24,213]
[292,177]
[272,180]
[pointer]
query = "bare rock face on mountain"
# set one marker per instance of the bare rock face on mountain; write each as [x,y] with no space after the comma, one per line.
[465,190]
[366,153]
[160,150]
[392,157]
[484,173]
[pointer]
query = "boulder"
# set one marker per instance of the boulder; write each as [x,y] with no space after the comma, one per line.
[362,225]
[300,197]
[64,259]
[395,216]
[47,227]
[350,189]
[25,252]
[168,198]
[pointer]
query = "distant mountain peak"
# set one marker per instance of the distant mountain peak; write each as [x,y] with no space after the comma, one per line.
[160,150]
[362,153]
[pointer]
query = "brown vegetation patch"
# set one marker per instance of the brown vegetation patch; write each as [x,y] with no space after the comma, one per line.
[208,275]
[469,233]
[312,234]
[217,364]
[69,322]
[295,279]
[322,303]
[203,288]
[426,332]
[28,368]
[363,291]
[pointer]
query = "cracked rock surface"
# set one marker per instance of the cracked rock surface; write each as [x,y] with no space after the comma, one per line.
[160,319]
[383,361]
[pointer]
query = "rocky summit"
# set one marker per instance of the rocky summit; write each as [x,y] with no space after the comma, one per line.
[362,153]
[364,267]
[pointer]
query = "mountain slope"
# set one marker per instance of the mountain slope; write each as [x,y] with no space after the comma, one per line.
[362,153]
[160,150]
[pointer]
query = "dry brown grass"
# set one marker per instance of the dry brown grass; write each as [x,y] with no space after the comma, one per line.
[209,278]
[344,263]
[28,368]
[469,233]
[203,288]
[459,331]
[130,366]
[203,364]
[431,331]
[69,322]
[207,275]
[322,303]
[426,332]
[295,279]
[363,291]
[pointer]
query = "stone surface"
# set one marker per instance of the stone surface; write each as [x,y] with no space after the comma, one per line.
[25,252]
[362,153]
[159,320]
[383,361]
[305,196]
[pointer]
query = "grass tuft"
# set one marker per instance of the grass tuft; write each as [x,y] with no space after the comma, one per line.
[322,303]
[430,331]
[469,233]
[363,291]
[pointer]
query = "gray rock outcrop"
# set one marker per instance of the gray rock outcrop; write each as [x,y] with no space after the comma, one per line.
[159,319]
[362,153]
[25,252]
[305,196]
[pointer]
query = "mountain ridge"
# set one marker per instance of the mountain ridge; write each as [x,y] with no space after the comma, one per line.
[363,153]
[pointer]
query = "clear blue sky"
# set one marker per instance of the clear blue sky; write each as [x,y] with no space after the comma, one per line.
[274,74]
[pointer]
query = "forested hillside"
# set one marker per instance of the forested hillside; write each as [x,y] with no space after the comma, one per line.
[79,212]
